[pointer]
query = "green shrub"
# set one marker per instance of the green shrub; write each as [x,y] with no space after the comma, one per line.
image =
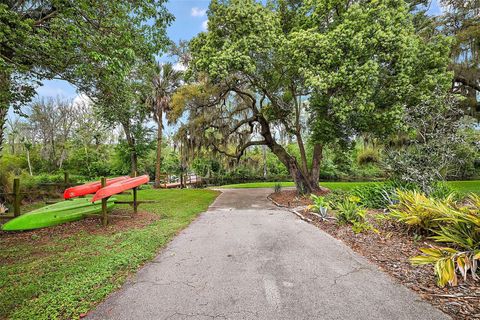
[10,166]
[366,172]
[380,195]
[375,196]
[35,187]
[442,190]
[368,156]
[335,197]
[320,205]
[350,212]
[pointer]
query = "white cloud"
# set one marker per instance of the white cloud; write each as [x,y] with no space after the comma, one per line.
[179,67]
[198,12]
[205,25]
[82,99]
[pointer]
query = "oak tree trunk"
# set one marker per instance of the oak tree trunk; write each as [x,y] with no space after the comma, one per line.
[4,104]
[302,180]
[316,162]
[133,150]
[134,160]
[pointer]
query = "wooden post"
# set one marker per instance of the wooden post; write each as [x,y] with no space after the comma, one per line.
[16,197]
[104,204]
[66,178]
[135,205]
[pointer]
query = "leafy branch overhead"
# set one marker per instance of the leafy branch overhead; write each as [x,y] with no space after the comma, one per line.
[95,47]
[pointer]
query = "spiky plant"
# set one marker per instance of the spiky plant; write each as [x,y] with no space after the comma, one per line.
[319,206]
[460,229]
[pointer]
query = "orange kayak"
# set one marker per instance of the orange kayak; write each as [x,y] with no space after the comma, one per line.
[119,187]
[89,188]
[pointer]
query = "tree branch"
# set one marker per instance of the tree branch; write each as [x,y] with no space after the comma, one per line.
[46,17]
[242,122]
[242,149]
[243,94]
[468,83]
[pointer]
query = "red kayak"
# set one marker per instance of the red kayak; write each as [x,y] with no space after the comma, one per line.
[89,188]
[120,186]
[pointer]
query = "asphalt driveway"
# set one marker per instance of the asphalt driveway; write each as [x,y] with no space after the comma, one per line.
[247,259]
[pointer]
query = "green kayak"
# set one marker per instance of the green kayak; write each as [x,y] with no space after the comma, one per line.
[61,212]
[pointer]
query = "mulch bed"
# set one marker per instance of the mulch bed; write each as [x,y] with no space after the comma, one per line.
[91,225]
[290,198]
[390,250]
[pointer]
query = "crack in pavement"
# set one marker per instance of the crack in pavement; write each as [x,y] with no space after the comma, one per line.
[186,283]
[189,315]
[355,270]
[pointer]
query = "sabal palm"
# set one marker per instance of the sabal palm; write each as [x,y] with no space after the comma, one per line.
[165,82]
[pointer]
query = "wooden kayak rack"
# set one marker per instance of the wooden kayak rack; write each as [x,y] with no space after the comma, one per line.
[135,203]
[104,214]
[17,196]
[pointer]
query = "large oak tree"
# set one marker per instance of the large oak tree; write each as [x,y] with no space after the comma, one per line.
[359,64]
[461,19]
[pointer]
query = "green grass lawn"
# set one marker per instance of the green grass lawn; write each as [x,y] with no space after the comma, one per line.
[65,277]
[466,186]
[460,186]
[330,185]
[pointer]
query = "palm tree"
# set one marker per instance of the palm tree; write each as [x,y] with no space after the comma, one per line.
[165,82]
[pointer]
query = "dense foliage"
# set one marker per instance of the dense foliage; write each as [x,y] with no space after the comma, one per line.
[91,46]
[315,71]
[450,219]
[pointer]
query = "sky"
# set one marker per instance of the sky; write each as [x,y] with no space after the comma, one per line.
[190,19]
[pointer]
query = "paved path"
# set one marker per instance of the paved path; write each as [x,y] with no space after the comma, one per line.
[246,259]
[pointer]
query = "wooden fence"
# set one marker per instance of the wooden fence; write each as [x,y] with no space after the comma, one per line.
[15,197]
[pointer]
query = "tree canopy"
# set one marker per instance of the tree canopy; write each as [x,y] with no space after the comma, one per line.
[461,20]
[359,65]
[91,45]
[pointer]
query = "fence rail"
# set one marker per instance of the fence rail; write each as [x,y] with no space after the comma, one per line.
[16,195]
